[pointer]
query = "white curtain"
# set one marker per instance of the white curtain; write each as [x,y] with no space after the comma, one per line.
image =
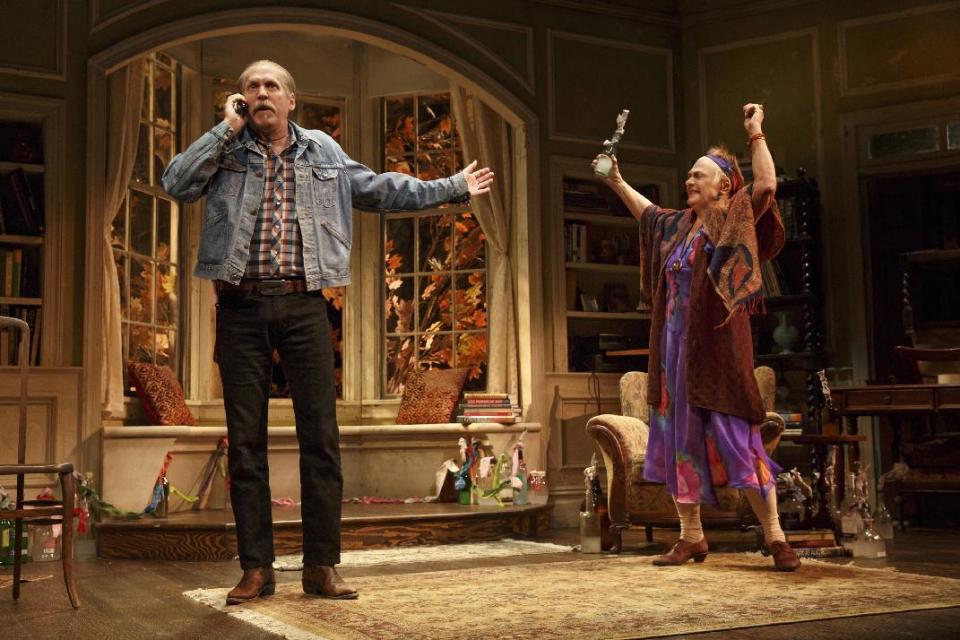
[125,94]
[486,138]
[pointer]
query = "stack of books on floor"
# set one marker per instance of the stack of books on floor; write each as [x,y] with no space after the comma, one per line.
[487,407]
[814,543]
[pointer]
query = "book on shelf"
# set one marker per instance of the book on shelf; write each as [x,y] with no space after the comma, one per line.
[791,416]
[10,339]
[7,256]
[769,281]
[576,242]
[788,213]
[511,419]
[584,196]
[21,211]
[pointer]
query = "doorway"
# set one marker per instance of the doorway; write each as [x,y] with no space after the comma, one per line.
[913,222]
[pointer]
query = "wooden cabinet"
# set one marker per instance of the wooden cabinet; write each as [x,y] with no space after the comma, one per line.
[599,323]
[789,336]
[31,134]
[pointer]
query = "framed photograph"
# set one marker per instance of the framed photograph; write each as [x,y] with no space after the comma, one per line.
[325,114]
[589,302]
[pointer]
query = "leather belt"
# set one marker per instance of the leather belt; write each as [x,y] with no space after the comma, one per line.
[266,286]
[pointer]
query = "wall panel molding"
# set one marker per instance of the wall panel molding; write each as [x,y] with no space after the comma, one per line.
[54,428]
[58,71]
[845,27]
[556,130]
[100,19]
[448,22]
[706,52]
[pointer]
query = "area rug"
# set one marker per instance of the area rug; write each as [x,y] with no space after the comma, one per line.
[431,553]
[607,597]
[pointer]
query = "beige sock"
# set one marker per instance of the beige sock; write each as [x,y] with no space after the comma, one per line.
[766,511]
[691,529]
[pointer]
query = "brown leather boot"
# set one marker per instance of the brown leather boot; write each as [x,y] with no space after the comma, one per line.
[324,581]
[683,551]
[784,559]
[254,583]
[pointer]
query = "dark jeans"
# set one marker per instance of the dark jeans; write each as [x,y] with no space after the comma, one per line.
[249,327]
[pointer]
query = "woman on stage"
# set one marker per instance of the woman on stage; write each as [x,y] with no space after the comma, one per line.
[700,270]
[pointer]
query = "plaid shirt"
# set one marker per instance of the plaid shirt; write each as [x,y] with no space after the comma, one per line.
[260,263]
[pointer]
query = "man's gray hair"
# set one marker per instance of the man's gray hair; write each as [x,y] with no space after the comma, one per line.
[286,80]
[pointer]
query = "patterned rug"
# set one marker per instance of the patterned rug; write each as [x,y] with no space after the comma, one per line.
[608,597]
[431,553]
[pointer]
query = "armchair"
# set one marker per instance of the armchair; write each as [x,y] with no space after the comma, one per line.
[622,440]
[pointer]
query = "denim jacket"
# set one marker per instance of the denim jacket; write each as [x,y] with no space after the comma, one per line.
[229,170]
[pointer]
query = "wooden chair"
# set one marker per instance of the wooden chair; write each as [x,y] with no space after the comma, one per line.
[40,512]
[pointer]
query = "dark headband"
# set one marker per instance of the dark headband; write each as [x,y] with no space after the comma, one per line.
[727,167]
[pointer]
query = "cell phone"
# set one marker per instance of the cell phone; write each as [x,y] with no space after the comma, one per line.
[240,107]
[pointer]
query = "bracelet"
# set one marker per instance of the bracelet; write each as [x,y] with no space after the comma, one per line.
[756,136]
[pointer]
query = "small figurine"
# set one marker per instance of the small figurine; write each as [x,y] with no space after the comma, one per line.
[610,146]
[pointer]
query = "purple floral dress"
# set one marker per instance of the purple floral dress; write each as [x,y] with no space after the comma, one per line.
[691,449]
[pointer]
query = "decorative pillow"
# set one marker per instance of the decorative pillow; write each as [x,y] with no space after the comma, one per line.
[431,396]
[161,394]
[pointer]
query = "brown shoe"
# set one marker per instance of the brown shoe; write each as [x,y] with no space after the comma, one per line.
[683,551]
[324,581]
[784,559]
[254,583]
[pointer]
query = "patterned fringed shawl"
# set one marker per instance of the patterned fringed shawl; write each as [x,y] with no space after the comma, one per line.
[734,268]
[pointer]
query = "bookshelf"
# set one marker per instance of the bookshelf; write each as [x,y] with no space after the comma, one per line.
[789,337]
[23,189]
[599,324]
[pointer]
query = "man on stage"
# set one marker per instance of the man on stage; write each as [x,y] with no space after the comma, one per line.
[276,231]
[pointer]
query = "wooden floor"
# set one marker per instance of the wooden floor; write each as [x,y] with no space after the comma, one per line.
[133,599]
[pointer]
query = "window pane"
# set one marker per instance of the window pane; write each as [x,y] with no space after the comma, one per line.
[897,143]
[400,360]
[162,153]
[166,288]
[403,164]
[167,227]
[471,243]
[147,94]
[141,223]
[435,303]
[435,124]
[398,120]
[398,307]
[436,351]
[118,229]
[472,353]
[471,301]
[953,135]
[431,166]
[141,290]
[325,117]
[166,348]
[398,246]
[435,242]
[141,164]
[122,262]
[163,97]
[141,343]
